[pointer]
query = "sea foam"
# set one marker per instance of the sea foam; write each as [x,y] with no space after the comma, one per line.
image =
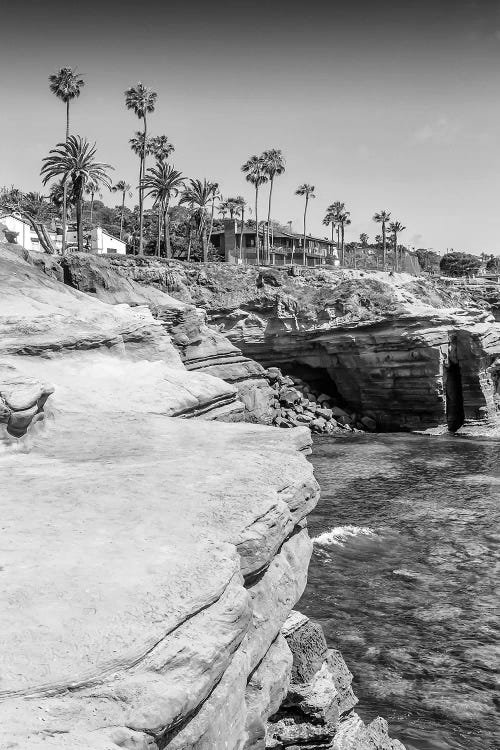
[340,534]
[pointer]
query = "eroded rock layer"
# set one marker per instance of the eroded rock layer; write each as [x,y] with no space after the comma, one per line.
[148,563]
[403,352]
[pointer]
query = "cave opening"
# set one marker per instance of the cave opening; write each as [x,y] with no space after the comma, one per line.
[455,414]
[316,377]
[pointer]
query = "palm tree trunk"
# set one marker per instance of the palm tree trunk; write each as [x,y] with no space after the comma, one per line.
[123,211]
[141,194]
[257,255]
[79,225]
[342,240]
[139,252]
[242,228]
[338,246]
[211,221]
[190,235]
[204,243]
[158,241]
[395,237]
[269,218]
[91,208]
[304,259]
[384,249]
[166,232]
[65,191]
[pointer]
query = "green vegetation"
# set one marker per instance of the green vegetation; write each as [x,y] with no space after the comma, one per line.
[74,162]
[459,264]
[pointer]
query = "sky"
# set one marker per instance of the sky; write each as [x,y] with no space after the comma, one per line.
[380,104]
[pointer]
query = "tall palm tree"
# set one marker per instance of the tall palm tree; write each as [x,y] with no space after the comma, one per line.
[122,187]
[383,217]
[274,164]
[343,219]
[163,182]
[255,170]
[307,191]
[330,220]
[215,196]
[141,100]
[395,227]
[198,195]
[66,84]
[74,162]
[241,207]
[92,189]
[161,148]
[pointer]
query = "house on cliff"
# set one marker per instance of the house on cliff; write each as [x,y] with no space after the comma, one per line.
[100,242]
[286,247]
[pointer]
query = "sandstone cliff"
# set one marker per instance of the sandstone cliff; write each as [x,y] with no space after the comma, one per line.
[148,562]
[402,351]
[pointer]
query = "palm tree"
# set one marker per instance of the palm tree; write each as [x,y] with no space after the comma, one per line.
[92,189]
[242,205]
[232,206]
[141,100]
[382,217]
[215,196]
[223,208]
[163,182]
[199,196]
[74,162]
[66,84]
[363,238]
[255,170]
[308,191]
[395,227]
[330,219]
[343,219]
[160,147]
[274,165]
[123,188]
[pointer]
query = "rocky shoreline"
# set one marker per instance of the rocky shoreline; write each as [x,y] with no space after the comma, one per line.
[174,549]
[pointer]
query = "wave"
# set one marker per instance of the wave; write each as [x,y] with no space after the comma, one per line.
[340,534]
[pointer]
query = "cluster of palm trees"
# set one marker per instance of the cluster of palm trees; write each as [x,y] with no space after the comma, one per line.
[73,164]
[395,228]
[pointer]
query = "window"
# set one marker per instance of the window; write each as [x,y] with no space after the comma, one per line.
[249,241]
[111,250]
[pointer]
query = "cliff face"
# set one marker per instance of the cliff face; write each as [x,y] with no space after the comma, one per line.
[148,563]
[402,351]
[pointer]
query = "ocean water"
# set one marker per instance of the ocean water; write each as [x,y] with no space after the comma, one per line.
[405,579]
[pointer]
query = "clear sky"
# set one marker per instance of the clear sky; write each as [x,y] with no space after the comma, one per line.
[383,105]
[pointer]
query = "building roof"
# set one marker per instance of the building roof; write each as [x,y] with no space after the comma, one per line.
[279,233]
[112,236]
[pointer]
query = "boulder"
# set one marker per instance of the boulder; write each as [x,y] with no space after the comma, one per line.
[368,423]
[290,396]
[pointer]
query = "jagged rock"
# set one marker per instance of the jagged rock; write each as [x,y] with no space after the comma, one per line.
[368,423]
[318,425]
[353,734]
[290,396]
[326,413]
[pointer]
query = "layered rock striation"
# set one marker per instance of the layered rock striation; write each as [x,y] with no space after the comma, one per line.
[402,352]
[152,549]
[148,563]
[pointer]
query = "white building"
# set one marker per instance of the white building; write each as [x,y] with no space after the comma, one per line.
[16,225]
[102,243]
[105,243]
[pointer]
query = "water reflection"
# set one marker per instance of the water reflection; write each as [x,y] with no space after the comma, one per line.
[404,579]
